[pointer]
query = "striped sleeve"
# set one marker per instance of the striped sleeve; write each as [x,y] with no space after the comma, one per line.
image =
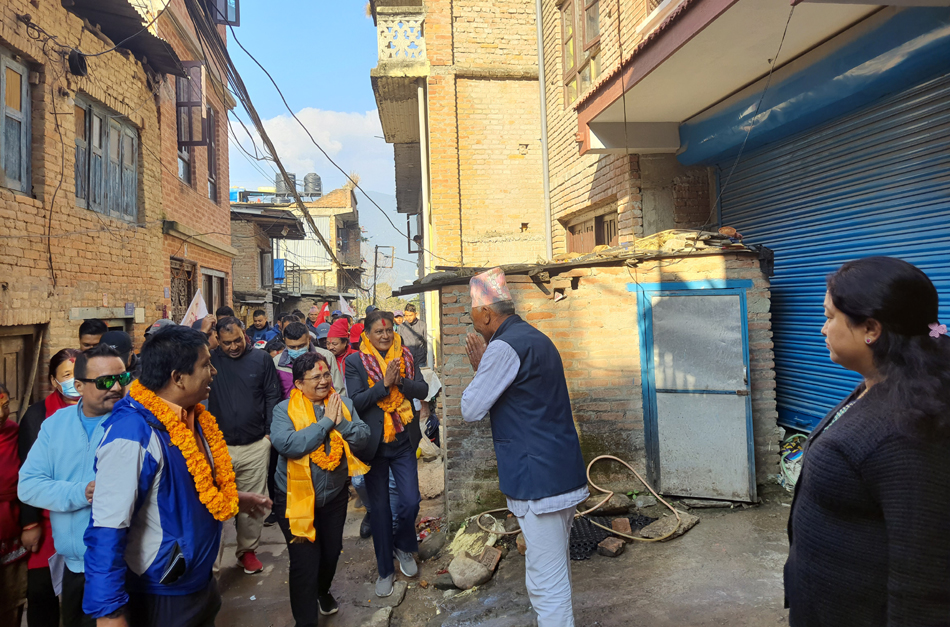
[127,462]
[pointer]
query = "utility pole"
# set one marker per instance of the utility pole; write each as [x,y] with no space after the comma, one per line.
[375,258]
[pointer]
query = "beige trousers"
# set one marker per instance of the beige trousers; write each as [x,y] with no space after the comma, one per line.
[250,471]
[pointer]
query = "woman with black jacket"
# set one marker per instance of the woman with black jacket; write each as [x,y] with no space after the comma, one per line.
[382,381]
[869,530]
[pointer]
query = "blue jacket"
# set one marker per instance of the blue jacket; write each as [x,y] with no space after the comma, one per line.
[145,513]
[267,333]
[536,444]
[55,475]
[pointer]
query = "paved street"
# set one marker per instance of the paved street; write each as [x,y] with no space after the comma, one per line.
[725,571]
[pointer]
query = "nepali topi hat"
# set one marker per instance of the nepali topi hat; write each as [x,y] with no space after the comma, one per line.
[489,287]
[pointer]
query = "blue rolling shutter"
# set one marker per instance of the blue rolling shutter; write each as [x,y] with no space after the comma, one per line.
[873,182]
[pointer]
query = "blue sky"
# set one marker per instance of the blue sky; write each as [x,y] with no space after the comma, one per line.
[320,53]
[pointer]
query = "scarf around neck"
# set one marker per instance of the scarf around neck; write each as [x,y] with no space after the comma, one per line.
[395,406]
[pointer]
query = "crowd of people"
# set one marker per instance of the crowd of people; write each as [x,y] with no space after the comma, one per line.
[117,484]
[115,487]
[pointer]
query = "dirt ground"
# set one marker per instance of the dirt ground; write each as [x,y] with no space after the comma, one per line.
[725,571]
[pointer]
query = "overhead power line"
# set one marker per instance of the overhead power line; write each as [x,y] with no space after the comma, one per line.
[211,41]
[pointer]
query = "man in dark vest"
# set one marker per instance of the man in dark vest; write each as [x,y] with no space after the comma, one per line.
[519,380]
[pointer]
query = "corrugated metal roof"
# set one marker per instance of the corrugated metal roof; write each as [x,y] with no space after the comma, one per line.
[118,21]
[665,245]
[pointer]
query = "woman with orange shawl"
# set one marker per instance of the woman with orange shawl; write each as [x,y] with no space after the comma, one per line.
[314,432]
[382,380]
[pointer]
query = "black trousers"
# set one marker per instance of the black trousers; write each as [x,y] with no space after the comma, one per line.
[271,469]
[74,584]
[197,609]
[313,564]
[42,606]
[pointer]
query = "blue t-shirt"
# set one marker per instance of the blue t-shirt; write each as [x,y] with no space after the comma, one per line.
[90,424]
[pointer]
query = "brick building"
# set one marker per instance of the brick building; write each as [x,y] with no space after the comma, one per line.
[458,88]
[304,273]
[253,230]
[97,221]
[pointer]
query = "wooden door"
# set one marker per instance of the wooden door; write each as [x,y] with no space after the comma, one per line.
[16,346]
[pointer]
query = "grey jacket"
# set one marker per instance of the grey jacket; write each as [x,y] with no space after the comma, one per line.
[292,444]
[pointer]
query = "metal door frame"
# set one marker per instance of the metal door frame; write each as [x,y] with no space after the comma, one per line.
[708,287]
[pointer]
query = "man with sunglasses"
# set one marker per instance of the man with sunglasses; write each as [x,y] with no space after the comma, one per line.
[58,474]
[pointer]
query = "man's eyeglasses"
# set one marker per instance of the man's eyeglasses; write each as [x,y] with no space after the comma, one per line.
[108,381]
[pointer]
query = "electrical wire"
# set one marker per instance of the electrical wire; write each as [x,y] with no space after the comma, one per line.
[132,36]
[355,183]
[210,40]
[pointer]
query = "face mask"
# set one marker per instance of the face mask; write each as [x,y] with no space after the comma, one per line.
[69,389]
[296,352]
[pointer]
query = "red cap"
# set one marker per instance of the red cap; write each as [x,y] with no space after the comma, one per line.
[355,333]
[339,329]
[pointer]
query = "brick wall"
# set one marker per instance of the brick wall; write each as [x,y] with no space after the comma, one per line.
[596,332]
[599,183]
[499,172]
[97,261]
[250,241]
[484,132]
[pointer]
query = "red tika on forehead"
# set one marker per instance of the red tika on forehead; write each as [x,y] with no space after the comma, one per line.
[3,397]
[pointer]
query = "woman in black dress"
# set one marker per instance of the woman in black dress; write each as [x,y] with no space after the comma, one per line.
[869,530]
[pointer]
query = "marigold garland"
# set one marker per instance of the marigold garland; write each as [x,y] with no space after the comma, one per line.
[219,495]
[394,402]
[332,461]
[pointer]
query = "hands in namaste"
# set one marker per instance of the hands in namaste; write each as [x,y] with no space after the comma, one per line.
[392,376]
[475,347]
[334,408]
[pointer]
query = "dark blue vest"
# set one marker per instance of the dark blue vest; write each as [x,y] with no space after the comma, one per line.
[536,443]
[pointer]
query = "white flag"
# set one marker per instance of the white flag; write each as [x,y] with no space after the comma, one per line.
[196,310]
[345,307]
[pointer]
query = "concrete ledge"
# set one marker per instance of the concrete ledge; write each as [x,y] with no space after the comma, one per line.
[179,230]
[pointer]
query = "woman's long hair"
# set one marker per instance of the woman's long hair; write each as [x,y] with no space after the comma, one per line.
[914,366]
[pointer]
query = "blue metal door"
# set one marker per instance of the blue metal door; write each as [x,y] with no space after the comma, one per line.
[697,409]
[873,182]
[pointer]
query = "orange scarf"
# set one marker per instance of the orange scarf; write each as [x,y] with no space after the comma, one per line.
[219,492]
[300,495]
[394,402]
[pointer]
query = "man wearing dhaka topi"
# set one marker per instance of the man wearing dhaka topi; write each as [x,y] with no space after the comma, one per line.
[164,484]
[519,381]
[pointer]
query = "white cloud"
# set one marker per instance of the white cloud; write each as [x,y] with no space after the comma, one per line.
[353,140]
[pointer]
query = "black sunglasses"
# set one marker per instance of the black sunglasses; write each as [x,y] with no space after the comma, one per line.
[108,381]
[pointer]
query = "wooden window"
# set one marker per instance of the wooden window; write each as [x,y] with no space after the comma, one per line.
[605,230]
[184,164]
[580,237]
[183,278]
[14,124]
[267,269]
[591,23]
[106,170]
[580,46]
[81,173]
[214,286]
[225,11]
[212,157]
[584,236]
[191,106]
